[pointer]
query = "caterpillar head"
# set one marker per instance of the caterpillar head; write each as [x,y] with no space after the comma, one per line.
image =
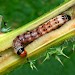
[21,52]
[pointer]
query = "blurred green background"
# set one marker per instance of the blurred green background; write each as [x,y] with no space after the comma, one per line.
[20,12]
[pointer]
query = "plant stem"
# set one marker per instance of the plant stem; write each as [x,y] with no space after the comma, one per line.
[6,40]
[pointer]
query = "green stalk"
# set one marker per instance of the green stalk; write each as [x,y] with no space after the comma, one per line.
[6,40]
[11,59]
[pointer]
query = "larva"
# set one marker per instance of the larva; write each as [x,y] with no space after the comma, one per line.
[27,37]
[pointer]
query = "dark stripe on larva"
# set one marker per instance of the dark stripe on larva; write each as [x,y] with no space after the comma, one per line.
[27,37]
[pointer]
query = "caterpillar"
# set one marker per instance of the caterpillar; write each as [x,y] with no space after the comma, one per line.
[30,36]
